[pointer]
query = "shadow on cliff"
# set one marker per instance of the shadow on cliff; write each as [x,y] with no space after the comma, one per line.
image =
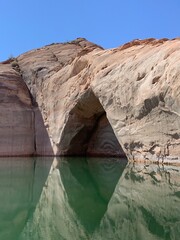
[88,131]
[42,141]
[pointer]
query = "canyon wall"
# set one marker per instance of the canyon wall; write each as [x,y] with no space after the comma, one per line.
[84,100]
[16,114]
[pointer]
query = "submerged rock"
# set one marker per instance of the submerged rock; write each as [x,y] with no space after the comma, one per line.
[135,87]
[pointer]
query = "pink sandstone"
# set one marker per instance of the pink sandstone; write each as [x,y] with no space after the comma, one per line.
[79,99]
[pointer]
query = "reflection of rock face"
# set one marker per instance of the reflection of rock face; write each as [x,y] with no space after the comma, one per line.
[97,179]
[20,187]
[145,205]
[72,204]
[79,202]
[53,217]
[16,186]
[106,172]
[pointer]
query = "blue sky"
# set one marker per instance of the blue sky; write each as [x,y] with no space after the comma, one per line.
[25,25]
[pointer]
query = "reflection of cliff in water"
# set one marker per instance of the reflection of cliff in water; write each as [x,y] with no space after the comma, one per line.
[89,186]
[21,182]
[74,201]
[145,205]
[79,202]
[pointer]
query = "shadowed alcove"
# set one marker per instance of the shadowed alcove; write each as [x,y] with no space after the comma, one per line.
[88,132]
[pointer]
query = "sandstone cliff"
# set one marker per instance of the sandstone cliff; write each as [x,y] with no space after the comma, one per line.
[81,99]
[16,114]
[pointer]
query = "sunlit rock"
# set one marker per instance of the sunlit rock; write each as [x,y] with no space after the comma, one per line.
[16,114]
[72,85]
[139,90]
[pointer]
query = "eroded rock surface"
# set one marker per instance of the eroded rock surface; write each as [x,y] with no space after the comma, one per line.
[103,141]
[74,84]
[16,114]
[139,91]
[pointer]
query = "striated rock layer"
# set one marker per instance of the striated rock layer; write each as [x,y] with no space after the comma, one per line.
[16,114]
[87,100]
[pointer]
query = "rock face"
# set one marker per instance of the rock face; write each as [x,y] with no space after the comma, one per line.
[87,100]
[16,114]
[103,142]
[140,92]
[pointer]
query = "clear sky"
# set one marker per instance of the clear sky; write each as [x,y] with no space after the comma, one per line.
[25,25]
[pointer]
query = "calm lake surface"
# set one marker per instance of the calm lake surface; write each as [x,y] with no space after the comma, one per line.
[88,198]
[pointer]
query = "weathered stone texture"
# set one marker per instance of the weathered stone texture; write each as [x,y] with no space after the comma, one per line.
[103,141]
[16,114]
[136,85]
[139,91]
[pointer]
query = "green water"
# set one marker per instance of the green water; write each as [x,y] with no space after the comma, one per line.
[88,198]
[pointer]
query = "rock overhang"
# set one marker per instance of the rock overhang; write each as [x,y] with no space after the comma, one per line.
[136,85]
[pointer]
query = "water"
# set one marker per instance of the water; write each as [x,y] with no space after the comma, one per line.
[88,198]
